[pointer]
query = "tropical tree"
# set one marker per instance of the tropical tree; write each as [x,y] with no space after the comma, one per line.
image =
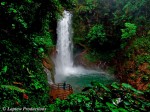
[27,30]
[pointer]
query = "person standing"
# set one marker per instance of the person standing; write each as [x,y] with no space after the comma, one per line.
[64,85]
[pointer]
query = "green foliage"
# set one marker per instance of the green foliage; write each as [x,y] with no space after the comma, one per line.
[33,84]
[3,3]
[25,35]
[129,10]
[29,1]
[4,70]
[43,40]
[142,59]
[140,45]
[94,56]
[88,6]
[115,98]
[27,31]
[13,88]
[97,33]
[117,17]
[129,31]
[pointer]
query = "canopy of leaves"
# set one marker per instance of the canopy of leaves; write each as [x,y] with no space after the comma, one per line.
[27,30]
[97,33]
[115,98]
[129,31]
[96,37]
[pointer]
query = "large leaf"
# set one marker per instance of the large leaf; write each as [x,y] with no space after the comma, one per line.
[115,85]
[112,107]
[104,87]
[122,110]
[128,86]
[13,88]
[4,70]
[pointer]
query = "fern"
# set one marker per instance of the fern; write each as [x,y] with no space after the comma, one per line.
[13,88]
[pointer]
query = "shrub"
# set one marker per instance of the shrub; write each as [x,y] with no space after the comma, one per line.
[129,31]
[97,34]
[100,98]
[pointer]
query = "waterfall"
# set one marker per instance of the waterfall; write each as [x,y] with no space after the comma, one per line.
[64,58]
[64,41]
[49,79]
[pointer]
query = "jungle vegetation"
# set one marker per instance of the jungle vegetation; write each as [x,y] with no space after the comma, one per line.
[112,31]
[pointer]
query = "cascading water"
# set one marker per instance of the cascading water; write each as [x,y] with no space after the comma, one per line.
[64,59]
[64,46]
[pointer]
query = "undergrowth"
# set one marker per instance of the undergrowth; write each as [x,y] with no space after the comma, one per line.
[100,98]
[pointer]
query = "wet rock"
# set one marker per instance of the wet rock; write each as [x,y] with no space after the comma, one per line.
[48,63]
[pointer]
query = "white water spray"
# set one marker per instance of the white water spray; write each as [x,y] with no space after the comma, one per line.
[64,46]
[64,59]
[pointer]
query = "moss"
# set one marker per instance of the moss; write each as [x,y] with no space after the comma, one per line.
[142,59]
[138,45]
[91,57]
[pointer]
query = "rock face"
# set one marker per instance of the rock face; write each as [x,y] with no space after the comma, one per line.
[48,63]
[140,79]
[81,60]
[135,75]
[133,65]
